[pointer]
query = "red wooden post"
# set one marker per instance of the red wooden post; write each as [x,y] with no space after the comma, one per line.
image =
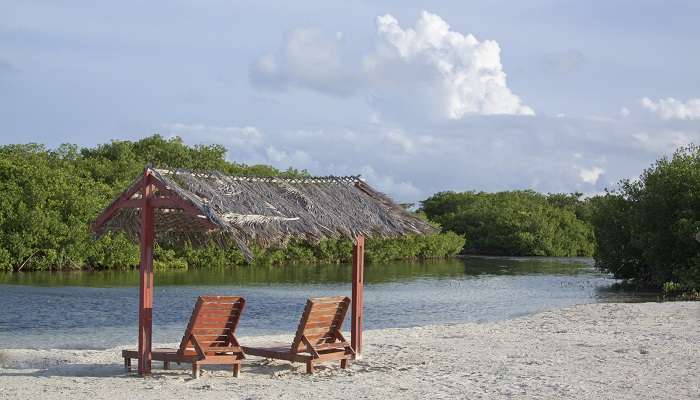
[358,271]
[146,279]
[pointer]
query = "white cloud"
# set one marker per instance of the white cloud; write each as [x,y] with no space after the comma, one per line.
[459,73]
[397,144]
[244,136]
[666,141]
[670,108]
[295,158]
[590,175]
[386,183]
[425,71]
[243,143]
[493,153]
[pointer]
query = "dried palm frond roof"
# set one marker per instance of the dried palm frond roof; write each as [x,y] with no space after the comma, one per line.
[266,211]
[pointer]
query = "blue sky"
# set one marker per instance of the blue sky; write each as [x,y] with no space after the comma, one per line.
[416,96]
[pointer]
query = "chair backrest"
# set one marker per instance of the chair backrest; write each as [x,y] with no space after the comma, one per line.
[322,319]
[213,324]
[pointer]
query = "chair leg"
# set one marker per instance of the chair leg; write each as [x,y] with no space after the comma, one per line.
[196,371]
[310,367]
[127,364]
[166,365]
[344,363]
[236,370]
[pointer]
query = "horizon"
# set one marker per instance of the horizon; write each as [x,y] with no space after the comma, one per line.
[416,97]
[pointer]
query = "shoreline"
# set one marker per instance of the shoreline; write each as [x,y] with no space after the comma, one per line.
[603,350]
[587,260]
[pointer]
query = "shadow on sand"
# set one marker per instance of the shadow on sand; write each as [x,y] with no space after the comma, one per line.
[54,368]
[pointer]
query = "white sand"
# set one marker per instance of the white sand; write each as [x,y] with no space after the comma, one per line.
[596,351]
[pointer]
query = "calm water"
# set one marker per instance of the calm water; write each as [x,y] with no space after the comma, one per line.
[99,309]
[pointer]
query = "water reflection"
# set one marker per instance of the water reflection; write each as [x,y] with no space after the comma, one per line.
[305,274]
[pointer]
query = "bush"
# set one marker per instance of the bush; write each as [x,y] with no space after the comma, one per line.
[327,251]
[646,228]
[518,223]
[45,209]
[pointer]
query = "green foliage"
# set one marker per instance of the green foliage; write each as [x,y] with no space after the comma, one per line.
[646,228]
[517,223]
[210,255]
[50,197]
[113,252]
[415,247]
[671,287]
[327,251]
[167,258]
[44,210]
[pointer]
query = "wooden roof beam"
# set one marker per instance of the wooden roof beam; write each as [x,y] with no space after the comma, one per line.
[173,201]
[119,202]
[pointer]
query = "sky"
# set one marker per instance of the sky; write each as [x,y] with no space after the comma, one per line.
[417,97]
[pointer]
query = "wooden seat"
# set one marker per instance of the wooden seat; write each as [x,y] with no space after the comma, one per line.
[318,338]
[209,337]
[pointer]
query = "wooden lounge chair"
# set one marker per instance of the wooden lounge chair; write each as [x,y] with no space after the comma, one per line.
[318,338]
[209,338]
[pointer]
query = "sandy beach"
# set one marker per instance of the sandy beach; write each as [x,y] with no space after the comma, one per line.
[595,351]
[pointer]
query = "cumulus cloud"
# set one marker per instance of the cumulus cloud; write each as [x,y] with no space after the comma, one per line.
[460,73]
[427,69]
[670,108]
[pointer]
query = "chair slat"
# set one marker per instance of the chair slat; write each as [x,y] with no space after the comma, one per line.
[325,300]
[313,325]
[210,331]
[209,319]
[322,319]
[213,326]
[328,307]
[220,299]
[212,309]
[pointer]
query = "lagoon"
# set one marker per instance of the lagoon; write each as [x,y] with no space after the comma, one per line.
[98,310]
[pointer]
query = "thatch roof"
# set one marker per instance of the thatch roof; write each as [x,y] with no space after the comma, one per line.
[267,211]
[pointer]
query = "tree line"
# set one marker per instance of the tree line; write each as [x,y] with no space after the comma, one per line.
[642,230]
[516,223]
[50,197]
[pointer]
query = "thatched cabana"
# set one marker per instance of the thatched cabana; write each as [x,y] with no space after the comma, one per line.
[246,211]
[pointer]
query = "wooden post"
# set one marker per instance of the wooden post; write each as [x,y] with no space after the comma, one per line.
[146,278]
[358,271]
